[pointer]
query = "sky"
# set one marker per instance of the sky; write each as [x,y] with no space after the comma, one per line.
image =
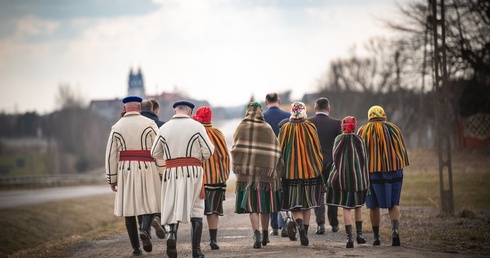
[222,51]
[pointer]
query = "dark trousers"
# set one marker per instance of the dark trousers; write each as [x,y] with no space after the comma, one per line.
[320,211]
[274,224]
[332,213]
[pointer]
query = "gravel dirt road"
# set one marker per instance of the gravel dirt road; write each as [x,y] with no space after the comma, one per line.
[235,240]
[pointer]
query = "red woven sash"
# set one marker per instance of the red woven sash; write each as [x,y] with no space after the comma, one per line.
[181,162]
[135,155]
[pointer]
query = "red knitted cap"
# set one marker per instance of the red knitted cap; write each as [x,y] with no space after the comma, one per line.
[349,124]
[203,114]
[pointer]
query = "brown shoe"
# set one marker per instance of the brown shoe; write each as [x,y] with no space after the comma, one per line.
[159,230]
[292,231]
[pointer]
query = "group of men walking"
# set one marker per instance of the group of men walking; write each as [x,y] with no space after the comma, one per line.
[175,192]
[176,172]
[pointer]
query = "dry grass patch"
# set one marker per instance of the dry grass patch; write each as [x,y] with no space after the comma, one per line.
[53,223]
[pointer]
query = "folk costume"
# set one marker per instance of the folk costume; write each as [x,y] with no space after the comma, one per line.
[256,161]
[348,183]
[184,145]
[387,156]
[131,168]
[302,181]
[216,170]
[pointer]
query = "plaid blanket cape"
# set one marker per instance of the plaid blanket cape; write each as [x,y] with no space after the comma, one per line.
[256,151]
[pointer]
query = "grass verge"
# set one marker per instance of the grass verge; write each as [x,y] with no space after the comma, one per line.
[43,230]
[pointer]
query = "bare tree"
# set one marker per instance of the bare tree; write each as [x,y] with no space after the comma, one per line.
[467,40]
[67,98]
[80,135]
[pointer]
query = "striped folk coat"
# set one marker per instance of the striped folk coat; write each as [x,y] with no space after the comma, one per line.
[348,182]
[216,172]
[385,146]
[303,162]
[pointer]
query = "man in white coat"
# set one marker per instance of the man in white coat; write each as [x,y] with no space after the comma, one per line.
[184,144]
[132,173]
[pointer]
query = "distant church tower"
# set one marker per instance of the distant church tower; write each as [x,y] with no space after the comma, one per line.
[135,84]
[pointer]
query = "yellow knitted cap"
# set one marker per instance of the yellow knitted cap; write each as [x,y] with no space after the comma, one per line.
[376,112]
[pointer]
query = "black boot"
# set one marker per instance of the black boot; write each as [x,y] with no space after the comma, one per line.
[145,232]
[302,232]
[132,229]
[265,237]
[350,240]
[394,233]
[377,240]
[196,234]
[213,243]
[172,241]
[360,238]
[257,239]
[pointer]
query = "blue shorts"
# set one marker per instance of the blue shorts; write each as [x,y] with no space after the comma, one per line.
[386,188]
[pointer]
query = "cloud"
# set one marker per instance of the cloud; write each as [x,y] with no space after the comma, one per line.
[30,26]
[221,51]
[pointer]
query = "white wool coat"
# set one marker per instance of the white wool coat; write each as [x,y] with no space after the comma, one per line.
[182,137]
[138,182]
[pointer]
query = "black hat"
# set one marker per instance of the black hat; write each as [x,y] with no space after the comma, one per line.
[132,99]
[183,102]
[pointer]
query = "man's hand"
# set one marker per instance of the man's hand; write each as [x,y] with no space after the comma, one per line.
[114,187]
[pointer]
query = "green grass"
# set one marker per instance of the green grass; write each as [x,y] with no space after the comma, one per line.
[469,189]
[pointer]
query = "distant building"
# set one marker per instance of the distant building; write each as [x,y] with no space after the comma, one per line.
[111,109]
[136,85]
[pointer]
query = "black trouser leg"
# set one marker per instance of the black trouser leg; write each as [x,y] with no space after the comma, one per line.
[140,221]
[145,232]
[132,229]
[146,221]
[320,211]
[196,239]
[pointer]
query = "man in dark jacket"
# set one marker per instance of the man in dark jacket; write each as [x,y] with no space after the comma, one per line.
[273,115]
[328,128]
[147,111]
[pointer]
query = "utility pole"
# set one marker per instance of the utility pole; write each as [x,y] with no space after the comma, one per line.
[442,107]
